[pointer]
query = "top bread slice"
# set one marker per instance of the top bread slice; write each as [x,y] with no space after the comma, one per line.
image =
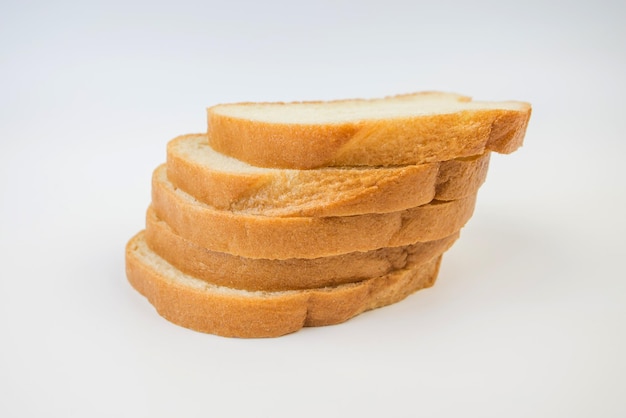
[407,129]
[226,183]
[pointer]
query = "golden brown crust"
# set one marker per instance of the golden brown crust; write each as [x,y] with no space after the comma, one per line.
[292,274]
[194,304]
[461,177]
[380,142]
[303,237]
[327,191]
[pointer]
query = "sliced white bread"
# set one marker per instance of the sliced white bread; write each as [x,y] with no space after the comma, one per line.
[201,306]
[229,184]
[408,129]
[291,274]
[254,236]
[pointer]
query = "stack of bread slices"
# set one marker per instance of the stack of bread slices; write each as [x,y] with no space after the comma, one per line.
[285,215]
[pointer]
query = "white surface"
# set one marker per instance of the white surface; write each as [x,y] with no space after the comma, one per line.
[527,318]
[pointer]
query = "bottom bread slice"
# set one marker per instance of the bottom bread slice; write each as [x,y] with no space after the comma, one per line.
[201,306]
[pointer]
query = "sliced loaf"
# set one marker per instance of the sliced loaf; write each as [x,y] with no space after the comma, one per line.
[408,129]
[229,184]
[291,274]
[201,306]
[255,236]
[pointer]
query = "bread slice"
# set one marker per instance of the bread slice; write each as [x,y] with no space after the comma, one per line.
[254,236]
[408,129]
[291,274]
[229,184]
[201,306]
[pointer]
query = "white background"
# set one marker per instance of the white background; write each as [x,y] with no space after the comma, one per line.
[527,318]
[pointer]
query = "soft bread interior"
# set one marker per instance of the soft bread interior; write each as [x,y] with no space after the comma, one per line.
[353,110]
